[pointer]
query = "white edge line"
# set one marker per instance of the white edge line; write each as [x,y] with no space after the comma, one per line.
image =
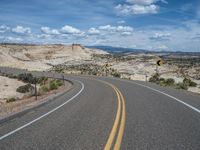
[178,100]
[44,115]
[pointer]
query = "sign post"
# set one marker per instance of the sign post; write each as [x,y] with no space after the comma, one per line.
[63,78]
[35,88]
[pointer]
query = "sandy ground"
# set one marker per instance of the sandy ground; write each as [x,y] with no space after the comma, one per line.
[8,88]
[27,102]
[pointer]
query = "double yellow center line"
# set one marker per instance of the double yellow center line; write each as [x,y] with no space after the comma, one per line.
[116,134]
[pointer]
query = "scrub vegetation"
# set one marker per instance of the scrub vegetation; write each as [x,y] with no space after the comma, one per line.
[44,85]
[171,82]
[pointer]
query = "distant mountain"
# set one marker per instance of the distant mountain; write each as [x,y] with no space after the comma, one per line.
[112,49]
[122,50]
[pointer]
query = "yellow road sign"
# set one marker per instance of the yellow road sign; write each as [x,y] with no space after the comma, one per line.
[159,62]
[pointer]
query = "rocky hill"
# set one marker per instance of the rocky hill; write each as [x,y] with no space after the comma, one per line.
[43,57]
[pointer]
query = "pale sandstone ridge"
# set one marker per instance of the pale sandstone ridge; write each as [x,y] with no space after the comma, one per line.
[43,57]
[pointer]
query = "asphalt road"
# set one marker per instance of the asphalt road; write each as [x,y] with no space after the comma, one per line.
[107,113]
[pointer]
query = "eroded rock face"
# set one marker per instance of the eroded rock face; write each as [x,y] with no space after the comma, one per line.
[43,57]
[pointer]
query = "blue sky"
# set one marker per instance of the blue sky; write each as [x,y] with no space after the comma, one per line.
[146,24]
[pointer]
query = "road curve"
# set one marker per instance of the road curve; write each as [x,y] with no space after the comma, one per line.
[107,113]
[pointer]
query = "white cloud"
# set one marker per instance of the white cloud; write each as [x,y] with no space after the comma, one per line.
[80,35]
[12,39]
[137,7]
[145,2]
[182,38]
[116,28]
[70,30]
[4,28]
[107,28]
[121,22]
[93,31]
[21,30]
[43,36]
[185,37]
[126,33]
[47,30]
[161,36]
[124,29]
[141,2]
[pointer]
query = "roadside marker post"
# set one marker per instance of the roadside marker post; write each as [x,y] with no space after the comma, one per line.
[35,88]
[146,76]
[63,78]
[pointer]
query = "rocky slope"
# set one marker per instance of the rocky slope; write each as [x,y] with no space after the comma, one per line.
[43,57]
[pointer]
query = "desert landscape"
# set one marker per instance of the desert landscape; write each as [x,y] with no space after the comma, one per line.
[77,59]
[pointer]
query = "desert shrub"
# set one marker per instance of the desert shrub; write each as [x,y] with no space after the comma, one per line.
[44,89]
[193,84]
[181,85]
[12,99]
[186,81]
[11,76]
[162,79]
[25,88]
[189,82]
[27,78]
[59,70]
[94,72]
[155,78]
[59,82]
[164,82]
[14,76]
[42,80]
[53,85]
[169,82]
[115,74]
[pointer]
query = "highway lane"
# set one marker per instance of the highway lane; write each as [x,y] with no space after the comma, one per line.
[152,120]
[84,123]
[156,121]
